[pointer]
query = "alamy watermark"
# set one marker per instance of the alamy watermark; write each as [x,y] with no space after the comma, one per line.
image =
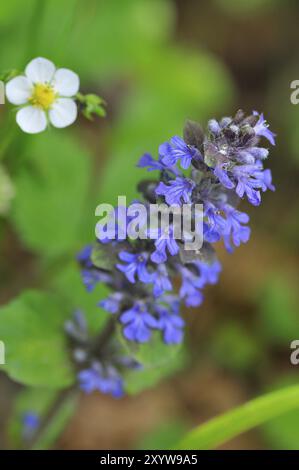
[294,96]
[151,221]
[294,357]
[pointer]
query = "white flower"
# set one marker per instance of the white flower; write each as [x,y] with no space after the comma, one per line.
[44,94]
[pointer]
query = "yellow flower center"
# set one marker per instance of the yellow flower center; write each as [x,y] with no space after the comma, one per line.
[43,96]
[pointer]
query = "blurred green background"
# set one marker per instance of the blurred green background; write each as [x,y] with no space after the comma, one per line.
[157,63]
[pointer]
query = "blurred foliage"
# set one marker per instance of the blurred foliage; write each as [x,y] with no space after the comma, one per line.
[278,311]
[163,436]
[32,329]
[51,194]
[235,348]
[245,7]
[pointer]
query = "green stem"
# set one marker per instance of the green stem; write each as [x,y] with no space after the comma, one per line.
[254,413]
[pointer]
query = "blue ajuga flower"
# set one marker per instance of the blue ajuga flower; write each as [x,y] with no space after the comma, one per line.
[194,278]
[268,181]
[161,281]
[177,191]
[136,264]
[91,277]
[100,359]
[222,174]
[225,165]
[147,161]
[214,126]
[210,234]
[208,272]
[178,150]
[164,242]
[215,225]
[250,180]
[104,379]
[30,421]
[190,287]
[84,256]
[235,231]
[113,302]
[77,327]
[252,154]
[138,323]
[171,325]
[90,274]
[232,152]
[261,128]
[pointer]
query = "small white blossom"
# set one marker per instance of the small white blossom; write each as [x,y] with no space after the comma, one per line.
[44,95]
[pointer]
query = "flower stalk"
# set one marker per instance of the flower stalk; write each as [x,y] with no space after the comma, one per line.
[216,169]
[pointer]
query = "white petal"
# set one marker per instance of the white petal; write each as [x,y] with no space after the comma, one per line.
[66,82]
[40,70]
[18,90]
[32,119]
[63,112]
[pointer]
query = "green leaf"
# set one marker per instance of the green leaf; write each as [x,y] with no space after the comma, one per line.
[154,353]
[52,193]
[103,257]
[149,376]
[156,358]
[221,429]
[31,328]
